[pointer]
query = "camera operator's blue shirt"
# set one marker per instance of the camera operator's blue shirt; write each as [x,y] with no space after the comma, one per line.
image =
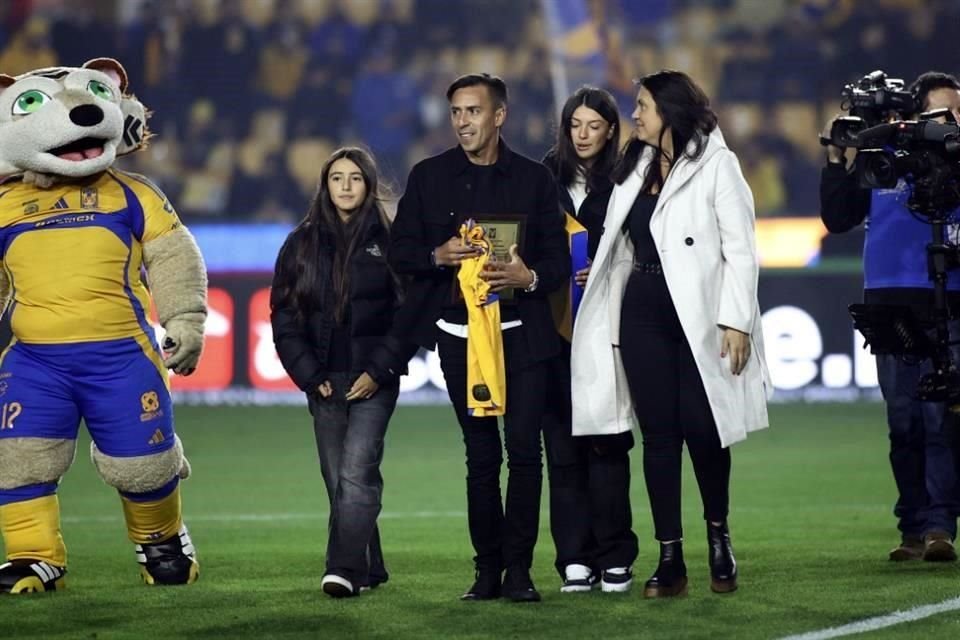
[895,246]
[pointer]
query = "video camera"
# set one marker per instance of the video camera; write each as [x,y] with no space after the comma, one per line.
[925,152]
[871,100]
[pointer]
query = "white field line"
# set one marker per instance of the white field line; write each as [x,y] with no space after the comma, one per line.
[269,517]
[880,622]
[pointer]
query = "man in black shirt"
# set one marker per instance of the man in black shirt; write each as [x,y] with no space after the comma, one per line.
[483,176]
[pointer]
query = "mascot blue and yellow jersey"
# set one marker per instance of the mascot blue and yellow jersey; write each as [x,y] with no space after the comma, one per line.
[74,256]
[84,248]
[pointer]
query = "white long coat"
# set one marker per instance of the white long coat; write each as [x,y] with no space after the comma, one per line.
[703,227]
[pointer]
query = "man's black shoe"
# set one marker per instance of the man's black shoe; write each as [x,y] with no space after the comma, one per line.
[486,586]
[518,587]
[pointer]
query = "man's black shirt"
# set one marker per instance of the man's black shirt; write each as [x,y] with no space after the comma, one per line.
[442,191]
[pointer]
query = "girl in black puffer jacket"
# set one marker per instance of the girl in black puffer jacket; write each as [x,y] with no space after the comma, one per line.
[332,307]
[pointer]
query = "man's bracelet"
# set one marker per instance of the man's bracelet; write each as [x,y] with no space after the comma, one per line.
[533,285]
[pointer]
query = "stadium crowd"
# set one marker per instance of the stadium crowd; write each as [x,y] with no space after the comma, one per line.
[251,95]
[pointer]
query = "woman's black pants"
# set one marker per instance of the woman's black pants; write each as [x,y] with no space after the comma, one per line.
[671,406]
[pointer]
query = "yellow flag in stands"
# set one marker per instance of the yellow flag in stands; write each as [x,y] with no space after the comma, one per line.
[486,374]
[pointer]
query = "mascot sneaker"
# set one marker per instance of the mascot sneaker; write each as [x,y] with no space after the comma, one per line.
[31,576]
[172,561]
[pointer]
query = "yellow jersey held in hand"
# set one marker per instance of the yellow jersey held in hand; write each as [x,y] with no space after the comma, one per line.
[486,374]
[74,255]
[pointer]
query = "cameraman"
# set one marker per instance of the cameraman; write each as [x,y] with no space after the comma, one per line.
[895,272]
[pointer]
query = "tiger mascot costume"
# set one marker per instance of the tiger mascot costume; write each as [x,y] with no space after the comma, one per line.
[84,247]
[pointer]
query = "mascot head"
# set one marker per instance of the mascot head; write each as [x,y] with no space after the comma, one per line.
[68,122]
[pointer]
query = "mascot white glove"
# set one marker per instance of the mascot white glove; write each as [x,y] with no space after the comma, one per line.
[178,284]
[184,342]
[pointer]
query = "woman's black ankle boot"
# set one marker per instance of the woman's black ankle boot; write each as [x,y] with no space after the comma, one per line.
[670,579]
[723,566]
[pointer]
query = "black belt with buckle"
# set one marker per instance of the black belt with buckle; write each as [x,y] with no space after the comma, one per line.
[652,268]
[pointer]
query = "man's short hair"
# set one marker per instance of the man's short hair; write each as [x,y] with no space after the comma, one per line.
[930,81]
[496,87]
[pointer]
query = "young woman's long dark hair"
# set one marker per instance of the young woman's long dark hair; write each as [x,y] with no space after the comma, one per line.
[562,157]
[685,109]
[314,262]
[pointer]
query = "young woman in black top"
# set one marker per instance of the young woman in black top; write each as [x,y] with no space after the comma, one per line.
[592,535]
[332,303]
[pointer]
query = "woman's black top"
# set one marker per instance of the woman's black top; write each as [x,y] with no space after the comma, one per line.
[592,210]
[638,223]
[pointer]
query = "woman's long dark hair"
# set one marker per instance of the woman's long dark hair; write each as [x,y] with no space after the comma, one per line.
[313,266]
[685,109]
[562,157]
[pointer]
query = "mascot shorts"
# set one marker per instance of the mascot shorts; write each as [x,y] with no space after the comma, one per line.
[118,387]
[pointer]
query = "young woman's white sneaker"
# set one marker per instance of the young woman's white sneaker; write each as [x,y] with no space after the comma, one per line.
[616,580]
[337,586]
[578,578]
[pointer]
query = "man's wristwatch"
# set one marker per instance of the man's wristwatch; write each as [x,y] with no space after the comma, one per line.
[533,285]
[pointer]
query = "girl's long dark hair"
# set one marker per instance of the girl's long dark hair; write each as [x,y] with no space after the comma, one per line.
[562,157]
[313,265]
[685,109]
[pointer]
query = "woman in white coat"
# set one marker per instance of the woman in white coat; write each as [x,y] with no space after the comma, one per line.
[671,311]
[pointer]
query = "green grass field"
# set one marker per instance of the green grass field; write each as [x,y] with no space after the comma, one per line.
[811,522]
